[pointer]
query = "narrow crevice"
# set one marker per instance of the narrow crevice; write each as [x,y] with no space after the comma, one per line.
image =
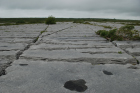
[18,54]
[35,40]
[28,46]
[136,61]
[126,52]
[21,51]
[3,68]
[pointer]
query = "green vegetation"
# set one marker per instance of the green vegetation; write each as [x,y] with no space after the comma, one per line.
[126,31]
[36,39]
[42,20]
[82,22]
[110,35]
[87,23]
[43,32]
[6,31]
[50,20]
[20,22]
[78,21]
[134,23]
[123,33]
[26,20]
[120,52]
[109,27]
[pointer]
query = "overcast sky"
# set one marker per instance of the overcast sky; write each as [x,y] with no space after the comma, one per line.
[119,9]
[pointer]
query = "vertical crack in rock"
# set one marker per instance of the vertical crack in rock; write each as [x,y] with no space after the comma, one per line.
[3,67]
[28,46]
[76,85]
[2,72]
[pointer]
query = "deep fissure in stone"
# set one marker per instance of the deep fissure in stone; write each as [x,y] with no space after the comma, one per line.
[2,72]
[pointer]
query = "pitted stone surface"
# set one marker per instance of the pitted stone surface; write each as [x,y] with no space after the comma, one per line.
[49,77]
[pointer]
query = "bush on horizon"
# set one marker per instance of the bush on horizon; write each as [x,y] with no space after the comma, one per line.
[50,20]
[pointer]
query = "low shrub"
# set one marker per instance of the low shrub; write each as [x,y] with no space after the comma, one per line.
[50,20]
[126,31]
[123,33]
[104,33]
[109,27]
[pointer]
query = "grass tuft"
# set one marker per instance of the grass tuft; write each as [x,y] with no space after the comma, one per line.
[123,33]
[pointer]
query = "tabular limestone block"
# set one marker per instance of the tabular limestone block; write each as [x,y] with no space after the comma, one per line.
[75,56]
[134,51]
[127,44]
[12,46]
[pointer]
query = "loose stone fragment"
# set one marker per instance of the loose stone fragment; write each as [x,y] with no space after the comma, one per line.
[107,73]
[23,64]
[76,85]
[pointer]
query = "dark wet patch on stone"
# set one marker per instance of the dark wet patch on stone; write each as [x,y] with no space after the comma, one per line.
[23,64]
[107,73]
[76,85]
[133,67]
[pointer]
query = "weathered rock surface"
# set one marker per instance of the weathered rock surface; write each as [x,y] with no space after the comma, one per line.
[44,59]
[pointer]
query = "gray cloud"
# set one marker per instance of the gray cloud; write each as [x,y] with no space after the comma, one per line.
[109,7]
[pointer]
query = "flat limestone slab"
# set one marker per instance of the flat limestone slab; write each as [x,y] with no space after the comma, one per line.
[127,44]
[50,77]
[8,53]
[16,40]
[75,56]
[67,39]
[12,46]
[63,45]
[101,50]
[134,51]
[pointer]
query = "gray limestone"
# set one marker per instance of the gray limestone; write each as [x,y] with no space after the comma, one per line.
[43,62]
[131,47]
[138,59]
[127,44]
[50,77]
[14,40]
[76,56]
[12,46]
[134,51]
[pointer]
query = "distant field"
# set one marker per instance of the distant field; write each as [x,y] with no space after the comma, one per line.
[13,21]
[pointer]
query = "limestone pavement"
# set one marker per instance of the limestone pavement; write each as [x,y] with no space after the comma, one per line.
[43,58]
